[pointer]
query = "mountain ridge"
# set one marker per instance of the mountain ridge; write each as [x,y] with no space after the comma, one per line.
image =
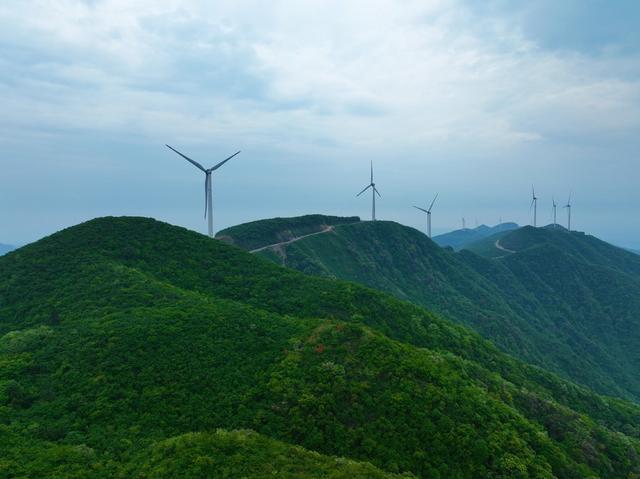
[5,248]
[494,296]
[460,239]
[175,333]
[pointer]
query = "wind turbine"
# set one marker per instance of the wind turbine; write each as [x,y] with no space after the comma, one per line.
[555,206]
[374,192]
[534,205]
[568,207]
[428,212]
[208,198]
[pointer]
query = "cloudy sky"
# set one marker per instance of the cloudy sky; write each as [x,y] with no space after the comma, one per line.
[476,103]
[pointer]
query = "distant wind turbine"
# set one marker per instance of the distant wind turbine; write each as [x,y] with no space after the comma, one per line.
[555,207]
[428,212]
[568,207]
[208,198]
[374,192]
[464,223]
[534,205]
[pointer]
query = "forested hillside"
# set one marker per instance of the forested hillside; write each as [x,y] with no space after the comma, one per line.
[126,344]
[565,301]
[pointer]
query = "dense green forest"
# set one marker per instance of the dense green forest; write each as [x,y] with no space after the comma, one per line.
[127,344]
[243,454]
[567,302]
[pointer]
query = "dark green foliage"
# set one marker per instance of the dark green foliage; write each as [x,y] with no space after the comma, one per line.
[565,301]
[257,234]
[161,332]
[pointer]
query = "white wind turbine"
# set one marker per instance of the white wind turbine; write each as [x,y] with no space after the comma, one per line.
[534,205]
[208,198]
[568,207]
[555,207]
[428,212]
[374,192]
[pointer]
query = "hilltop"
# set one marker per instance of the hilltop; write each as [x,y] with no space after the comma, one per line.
[565,301]
[128,344]
[5,248]
[460,239]
[261,233]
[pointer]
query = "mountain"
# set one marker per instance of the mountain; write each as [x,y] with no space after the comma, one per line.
[258,234]
[567,302]
[132,348]
[460,239]
[5,248]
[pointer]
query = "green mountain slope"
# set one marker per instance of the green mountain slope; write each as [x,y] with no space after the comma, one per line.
[460,239]
[567,302]
[257,234]
[122,333]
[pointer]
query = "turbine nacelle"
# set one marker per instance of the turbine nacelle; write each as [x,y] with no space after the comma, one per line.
[428,212]
[208,201]
[374,192]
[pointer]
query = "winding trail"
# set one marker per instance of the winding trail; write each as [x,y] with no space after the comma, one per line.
[500,247]
[326,229]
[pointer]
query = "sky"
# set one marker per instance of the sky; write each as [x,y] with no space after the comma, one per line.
[475,101]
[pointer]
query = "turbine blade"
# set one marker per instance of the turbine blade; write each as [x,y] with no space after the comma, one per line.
[366,188]
[421,209]
[377,192]
[371,171]
[193,162]
[434,200]
[223,162]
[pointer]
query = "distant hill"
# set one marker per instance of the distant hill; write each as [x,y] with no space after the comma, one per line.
[130,347]
[5,248]
[460,239]
[564,301]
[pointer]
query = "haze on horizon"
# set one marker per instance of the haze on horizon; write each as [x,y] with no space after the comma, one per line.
[476,103]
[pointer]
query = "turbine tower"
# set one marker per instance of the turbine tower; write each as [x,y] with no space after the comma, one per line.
[534,205]
[555,207]
[374,192]
[208,198]
[428,212]
[568,207]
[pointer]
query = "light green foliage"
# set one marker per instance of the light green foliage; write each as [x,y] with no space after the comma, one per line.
[243,454]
